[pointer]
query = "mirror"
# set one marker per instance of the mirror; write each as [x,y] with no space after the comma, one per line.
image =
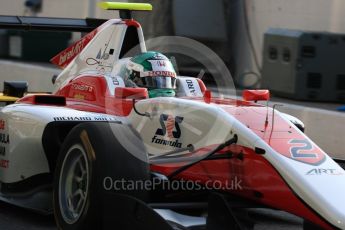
[256,95]
[131,93]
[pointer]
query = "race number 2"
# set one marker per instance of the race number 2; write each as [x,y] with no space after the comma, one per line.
[302,149]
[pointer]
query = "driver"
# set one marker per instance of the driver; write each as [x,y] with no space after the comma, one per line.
[153,71]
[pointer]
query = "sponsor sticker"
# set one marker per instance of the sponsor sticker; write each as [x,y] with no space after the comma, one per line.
[71,118]
[158,73]
[79,96]
[2,150]
[82,87]
[67,55]
[169,132]
[4,163]
[323,171]
[115,81]
[4,138]
[2,124]
[161,65]
[191,86]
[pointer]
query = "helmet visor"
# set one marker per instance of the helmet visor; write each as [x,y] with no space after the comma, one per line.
[159,82]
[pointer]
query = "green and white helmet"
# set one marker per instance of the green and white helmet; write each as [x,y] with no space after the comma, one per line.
[153,71]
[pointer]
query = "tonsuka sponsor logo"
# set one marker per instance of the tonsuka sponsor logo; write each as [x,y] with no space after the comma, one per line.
[82,87]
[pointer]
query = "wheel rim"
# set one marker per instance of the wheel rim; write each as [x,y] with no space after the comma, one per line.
[73,184]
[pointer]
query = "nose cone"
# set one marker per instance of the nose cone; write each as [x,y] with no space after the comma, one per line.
[312,175]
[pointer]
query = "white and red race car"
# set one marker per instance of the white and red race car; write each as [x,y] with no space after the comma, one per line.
[95,131]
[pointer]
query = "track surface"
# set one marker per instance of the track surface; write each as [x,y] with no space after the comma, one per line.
[14,218]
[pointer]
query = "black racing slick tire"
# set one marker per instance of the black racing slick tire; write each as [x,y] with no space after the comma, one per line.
[92,157]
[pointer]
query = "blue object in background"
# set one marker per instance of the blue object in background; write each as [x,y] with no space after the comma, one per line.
[341,108]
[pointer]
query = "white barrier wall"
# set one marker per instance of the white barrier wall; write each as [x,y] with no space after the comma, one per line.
[325,128]
[312,15]
[38,77]
[60,8]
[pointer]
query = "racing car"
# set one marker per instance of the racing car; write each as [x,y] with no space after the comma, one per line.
[113,120]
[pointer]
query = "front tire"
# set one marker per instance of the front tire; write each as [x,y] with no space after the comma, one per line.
[90,153]
[74,184]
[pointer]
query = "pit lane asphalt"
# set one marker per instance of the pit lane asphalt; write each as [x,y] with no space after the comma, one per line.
[15,218]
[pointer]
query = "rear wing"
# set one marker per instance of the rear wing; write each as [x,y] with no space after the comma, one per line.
[90,25]
[50,24]
[63,58]
[71,24]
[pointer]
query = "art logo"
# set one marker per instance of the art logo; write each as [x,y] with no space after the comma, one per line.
[169,130]
[321,171]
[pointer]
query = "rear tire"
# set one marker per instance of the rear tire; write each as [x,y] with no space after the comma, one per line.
[90,153]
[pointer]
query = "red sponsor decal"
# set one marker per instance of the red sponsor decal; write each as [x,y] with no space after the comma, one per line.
[82,87]
[161,73]
[82,92]
[170,125]
[66,56]
[2,124]
[4,163]
[161,63]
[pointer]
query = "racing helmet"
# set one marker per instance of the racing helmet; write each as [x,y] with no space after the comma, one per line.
[153,71]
